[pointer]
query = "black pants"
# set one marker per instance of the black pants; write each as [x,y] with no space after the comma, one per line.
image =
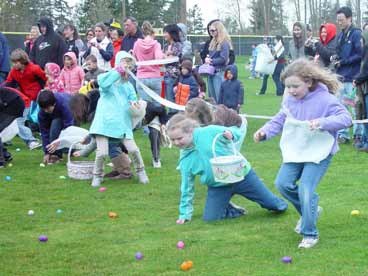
[154,136]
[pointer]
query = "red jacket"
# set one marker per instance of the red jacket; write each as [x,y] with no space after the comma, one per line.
[29,80]
[116,44]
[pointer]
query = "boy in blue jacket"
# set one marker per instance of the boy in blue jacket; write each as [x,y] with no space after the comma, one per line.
[232,90]
[54,116]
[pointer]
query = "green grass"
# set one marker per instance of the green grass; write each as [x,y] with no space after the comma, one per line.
[83,240]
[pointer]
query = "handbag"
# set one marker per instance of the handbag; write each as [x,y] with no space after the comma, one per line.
[206,69]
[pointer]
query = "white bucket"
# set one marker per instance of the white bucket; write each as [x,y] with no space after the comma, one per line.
[227,169]
[79,170]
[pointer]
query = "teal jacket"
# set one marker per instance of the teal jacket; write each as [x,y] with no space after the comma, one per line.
[196,161]
[112,117]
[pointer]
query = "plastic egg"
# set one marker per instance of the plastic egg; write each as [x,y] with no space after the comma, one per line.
[139,256]
[180,245]
[43,238]
[355,213]
[102,189]
[286,259]
[30,213]
[113,215]
[185,266]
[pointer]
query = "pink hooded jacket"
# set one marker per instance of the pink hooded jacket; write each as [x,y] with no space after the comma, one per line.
[55,85]
[72,77]
[148,49]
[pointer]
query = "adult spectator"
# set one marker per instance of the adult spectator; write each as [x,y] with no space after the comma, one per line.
[218,56]
[72,40]
[205,50]
[4,58]
[186,52]
[348,59]
[325,48]
[31,39]
[101,47]
[132,33]
[49,47]
[116,39]
[296,45]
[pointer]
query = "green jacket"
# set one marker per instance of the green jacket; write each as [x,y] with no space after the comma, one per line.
[196,161]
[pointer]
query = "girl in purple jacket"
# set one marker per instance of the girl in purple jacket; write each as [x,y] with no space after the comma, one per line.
[309,120]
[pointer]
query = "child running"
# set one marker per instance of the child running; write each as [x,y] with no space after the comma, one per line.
[196,151]
[309,120]
[112,118]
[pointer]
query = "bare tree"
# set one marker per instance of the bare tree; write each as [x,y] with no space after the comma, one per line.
[297,9]
[183,11]
[233,9]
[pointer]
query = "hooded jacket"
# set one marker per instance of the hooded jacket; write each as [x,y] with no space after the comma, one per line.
[187,87]
[349,51]
[4,54]
[363,75]
[72,77]
[49,47]
[116,45]
[186,51]
[231,91]
[148,49]
[55,85]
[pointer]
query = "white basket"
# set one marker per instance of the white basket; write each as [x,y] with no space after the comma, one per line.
[80,170]
[227,169]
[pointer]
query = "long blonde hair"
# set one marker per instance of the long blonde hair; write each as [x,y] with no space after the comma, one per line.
[180,121]
[222,36]
[309,71]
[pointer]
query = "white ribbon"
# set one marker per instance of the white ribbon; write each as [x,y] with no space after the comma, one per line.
[157,61]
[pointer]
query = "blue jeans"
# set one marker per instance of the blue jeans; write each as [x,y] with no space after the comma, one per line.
[24,132]
[154,84]
[55,129]
[276,78]
[169,90]
[251,187]
[346,90]
[214,85]
[114,147]
[365,126]
[303,196]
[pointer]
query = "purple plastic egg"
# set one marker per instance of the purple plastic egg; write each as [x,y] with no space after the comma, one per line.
[43,238]
[139,256]
[286,259]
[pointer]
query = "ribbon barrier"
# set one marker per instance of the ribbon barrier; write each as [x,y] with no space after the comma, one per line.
[157,61]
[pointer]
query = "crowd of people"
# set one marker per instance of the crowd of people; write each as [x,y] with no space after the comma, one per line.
[58,81]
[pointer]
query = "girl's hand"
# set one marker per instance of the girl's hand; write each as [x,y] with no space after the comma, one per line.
[314,124]
[77,154]
[259,135]
[51,148]
[208,60]
[181,221]
[228,135]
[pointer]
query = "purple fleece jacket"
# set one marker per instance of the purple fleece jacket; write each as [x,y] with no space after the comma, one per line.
[317,104]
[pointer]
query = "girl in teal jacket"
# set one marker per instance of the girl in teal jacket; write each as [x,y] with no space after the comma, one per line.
[112,118]
[196,151]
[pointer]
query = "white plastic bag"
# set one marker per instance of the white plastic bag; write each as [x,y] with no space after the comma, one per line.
[265,62]
[9,132]
[70,136]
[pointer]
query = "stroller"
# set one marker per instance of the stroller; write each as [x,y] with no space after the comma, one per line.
[11,107]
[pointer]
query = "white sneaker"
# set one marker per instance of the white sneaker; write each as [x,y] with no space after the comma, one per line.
[96,182]
[142,177]
[240,208]
[34,145]
[308,242]
[156,164]
[299,223]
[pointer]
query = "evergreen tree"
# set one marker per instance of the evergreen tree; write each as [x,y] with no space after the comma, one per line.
[195,20]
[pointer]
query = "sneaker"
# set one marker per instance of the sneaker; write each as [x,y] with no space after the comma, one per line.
[53,160]
[122,176]
[237,207]
[34,145]
[111,174]
[260,94]
[156,164]
[96,181]
[142,177]
[308,242]
[299,223]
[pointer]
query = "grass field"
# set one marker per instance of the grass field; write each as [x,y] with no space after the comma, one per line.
[83,240]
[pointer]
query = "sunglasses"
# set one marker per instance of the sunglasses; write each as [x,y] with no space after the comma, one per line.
[212,31]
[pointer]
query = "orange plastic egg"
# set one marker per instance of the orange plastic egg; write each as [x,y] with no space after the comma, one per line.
[185,266]
[113,215]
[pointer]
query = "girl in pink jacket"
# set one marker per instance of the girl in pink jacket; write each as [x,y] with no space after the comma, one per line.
[72,75]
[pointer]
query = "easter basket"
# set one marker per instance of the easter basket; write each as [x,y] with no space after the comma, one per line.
[229,168]
[79,170]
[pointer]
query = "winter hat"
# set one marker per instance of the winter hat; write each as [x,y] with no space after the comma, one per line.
[187,64]
[53,68]
[124,55]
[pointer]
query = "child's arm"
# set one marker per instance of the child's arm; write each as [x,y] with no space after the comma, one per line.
[194,90]
[186,197]
[224,55]
[272,128]
[107,79]
[89,148]
[337,119]
[39,73]
[221,95]
[81,75]
[241,94]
